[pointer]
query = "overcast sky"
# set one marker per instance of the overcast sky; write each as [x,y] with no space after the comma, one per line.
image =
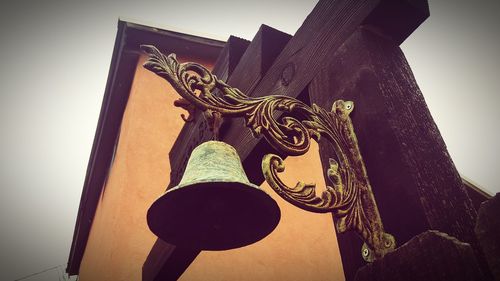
[54,61]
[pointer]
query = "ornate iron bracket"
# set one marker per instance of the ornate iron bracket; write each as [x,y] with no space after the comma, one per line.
[349,197]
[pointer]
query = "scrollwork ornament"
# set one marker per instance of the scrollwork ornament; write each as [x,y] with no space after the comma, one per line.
[349,197]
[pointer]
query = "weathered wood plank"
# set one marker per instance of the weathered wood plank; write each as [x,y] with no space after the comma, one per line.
[430,256]
[323,31]
[414,180]
[265,47]
[476,194]
[396,19]
[488,233]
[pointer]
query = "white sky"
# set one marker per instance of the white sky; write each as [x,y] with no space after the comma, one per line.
[54,61]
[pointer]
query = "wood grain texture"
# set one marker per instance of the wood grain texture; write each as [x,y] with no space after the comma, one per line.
[488,233]
[430,256]
[266,45]
[414,180]
[324,30]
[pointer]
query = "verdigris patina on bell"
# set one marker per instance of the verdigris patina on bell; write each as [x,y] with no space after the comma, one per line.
[214,207]
[214,161]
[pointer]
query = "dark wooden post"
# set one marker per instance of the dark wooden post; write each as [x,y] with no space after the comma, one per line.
[414,180]
[488,233]
[324,30]
[430,256]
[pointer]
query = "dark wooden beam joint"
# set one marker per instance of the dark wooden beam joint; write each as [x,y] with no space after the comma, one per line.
[397,19]
[488,233]
[430,256]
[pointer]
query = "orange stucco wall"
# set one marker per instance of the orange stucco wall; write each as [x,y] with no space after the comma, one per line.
[120,239]
[303,246]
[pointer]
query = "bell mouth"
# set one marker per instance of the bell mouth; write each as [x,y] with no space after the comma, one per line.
[213,215]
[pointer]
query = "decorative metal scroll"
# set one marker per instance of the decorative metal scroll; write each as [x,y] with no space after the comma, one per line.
[349,197]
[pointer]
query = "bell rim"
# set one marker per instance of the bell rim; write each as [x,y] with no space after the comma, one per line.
[193,183]
[270,222]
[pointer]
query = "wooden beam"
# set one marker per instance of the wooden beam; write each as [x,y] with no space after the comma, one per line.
[487,231]
[324,30]
[414,180]
[397,19]
[265,47]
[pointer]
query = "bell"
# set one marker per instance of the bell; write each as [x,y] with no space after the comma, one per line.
[214,207]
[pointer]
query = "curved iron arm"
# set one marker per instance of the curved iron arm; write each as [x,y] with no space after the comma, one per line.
[349,197]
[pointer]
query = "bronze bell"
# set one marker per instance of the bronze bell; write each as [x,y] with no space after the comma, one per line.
[214,207]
